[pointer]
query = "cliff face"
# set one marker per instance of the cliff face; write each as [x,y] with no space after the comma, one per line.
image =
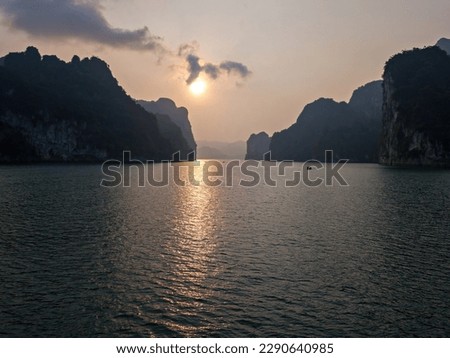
[51,110]
[368,101]
[23,139]
[416,109]
[351,129]
[178,115]
[257,146]
[174,135]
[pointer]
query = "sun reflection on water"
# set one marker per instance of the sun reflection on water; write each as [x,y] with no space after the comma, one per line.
[192,254]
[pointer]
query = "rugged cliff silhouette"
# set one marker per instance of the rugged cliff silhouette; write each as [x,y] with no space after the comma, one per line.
[51,110]
[416,109]
[402,120]
[257,146]
[167,111]
[351,129]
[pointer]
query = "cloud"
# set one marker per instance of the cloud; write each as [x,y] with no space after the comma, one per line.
[84,20]
[75,19]
[211,70]
[194,68]
[236,67]
[188,49]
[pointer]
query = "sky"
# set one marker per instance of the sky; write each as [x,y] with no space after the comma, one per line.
[258,62]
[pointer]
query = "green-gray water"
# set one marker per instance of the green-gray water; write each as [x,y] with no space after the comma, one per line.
[370,259]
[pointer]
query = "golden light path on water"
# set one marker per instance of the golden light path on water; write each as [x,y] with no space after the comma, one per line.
[192,251]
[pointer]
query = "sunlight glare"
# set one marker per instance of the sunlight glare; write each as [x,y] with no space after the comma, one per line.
[198,87]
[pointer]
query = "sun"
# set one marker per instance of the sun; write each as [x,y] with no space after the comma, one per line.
[198,87]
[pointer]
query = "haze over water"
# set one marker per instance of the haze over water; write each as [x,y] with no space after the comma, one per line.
[370,259]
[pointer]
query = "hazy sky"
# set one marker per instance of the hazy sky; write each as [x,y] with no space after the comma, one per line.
[262,60]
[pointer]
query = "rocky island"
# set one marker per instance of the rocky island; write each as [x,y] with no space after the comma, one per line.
[416,109]
[350,129]
[257,146]
[55,111]
[172,119]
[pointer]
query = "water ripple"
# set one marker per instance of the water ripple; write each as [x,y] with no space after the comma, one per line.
[78,260]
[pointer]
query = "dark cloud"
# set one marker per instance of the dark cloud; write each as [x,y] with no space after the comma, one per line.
[236,67]
[188,49]
[213,71]
[75,19]
[83,19]
[194,68]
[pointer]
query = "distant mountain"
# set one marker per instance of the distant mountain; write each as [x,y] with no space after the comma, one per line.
[416,109]
[220,150]
[179,116]
[211,153]
[51,110]
[351,129]
[257,146]
[444,44]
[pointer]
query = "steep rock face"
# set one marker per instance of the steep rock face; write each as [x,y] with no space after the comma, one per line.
[416,109]
[173,133]
[351,129]
[51,110]
[257,146]
[178,115]
[24,139]
[368,100]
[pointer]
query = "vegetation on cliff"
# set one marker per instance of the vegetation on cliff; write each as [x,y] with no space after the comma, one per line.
[416,108]
[351,129]
[51,110]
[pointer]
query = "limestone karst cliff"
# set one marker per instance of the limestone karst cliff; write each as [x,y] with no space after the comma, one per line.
[416,109]
[257,146]
[178,115]
[51,110]
[351,129]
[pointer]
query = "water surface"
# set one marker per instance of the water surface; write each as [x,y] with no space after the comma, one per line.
[368,260]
